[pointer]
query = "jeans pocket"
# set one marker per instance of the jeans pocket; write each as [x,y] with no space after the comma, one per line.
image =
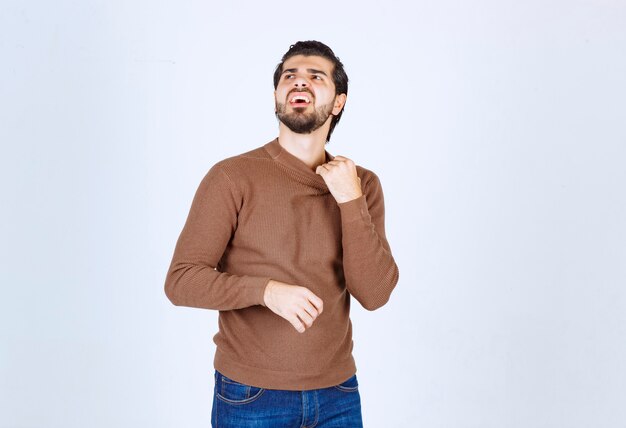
[233,392]
[350,385]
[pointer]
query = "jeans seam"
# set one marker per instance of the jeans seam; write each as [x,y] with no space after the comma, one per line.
[317,410]
[245,401]
[220,393]
[346,388]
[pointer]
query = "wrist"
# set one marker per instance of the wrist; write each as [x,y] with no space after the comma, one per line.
[267,292]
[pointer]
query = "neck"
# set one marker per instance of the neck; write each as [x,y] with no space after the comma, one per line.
[309,148]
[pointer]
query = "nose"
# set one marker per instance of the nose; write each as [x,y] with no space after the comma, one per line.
[300,82]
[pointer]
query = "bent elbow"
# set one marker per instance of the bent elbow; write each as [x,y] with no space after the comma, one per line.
[170,289]
[382,299]
[375,304]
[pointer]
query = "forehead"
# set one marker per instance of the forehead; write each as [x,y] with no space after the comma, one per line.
[313,61]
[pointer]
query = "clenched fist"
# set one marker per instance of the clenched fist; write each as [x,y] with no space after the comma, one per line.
[341,178]
[298,305]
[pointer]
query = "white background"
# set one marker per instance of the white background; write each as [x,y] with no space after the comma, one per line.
[497,129]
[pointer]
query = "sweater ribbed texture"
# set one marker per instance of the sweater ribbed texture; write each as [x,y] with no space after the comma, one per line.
[263,215]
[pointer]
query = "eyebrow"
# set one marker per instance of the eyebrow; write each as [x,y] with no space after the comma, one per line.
[310,70]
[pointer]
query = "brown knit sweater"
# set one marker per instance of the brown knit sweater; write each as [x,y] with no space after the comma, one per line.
[263,215]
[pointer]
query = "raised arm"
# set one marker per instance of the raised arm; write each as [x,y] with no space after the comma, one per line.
[369,268]
[192,279]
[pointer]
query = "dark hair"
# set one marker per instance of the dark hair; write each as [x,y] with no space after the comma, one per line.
[315,48]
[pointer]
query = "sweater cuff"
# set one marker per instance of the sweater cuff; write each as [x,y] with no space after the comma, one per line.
[258,285]
[355,209]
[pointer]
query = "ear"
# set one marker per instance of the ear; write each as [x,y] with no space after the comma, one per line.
[340,101]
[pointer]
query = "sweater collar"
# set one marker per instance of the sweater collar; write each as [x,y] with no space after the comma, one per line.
[281,155]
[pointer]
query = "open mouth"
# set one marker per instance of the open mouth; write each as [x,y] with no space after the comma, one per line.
[300,100]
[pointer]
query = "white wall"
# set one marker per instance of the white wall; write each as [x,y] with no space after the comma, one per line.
[496,127]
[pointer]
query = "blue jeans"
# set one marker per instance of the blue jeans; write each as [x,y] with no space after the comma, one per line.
[236,405]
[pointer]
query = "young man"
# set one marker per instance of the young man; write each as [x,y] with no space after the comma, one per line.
[277,239]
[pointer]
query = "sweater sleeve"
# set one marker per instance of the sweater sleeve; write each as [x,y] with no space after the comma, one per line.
[192,279]
[369,268]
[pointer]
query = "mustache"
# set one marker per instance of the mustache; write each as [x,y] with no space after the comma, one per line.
[300,90]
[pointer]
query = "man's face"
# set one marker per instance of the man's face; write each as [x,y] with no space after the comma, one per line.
[305,95]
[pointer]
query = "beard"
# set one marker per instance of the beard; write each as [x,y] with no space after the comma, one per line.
[301,122]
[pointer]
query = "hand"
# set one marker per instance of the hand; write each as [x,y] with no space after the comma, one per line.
[341,178]
[293,301]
